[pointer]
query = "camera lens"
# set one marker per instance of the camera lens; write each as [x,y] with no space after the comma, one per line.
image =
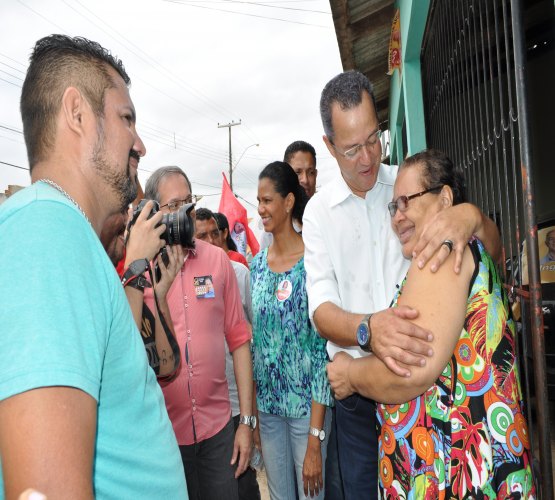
[179,227]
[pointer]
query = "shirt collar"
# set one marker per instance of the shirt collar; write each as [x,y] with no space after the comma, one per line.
[191,252]
[342,190]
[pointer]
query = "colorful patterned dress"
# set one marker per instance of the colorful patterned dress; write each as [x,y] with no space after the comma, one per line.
[289,356]
[466,436]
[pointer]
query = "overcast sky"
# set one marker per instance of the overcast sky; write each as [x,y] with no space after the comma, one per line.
[192,66]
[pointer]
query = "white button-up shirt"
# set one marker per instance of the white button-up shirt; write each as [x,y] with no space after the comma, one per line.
[352,256]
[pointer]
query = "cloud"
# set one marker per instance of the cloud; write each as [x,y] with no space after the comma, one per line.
[190,68]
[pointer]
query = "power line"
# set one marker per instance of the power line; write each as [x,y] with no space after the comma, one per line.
[219,157]
[246,201]
[205,185]
[150,171]
[12,129]
[181,147]
[171,138]
[11,139]
[249,15]
[265,3]
[11,83]
[13,76]
[11,67]
[13,60]
[12,165]
[40,15]
[248,177]
[152,62]
[256,5]
[169,74]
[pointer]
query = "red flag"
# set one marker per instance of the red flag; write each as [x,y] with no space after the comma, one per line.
[236,215]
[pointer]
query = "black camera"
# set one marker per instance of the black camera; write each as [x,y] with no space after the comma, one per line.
[180,227]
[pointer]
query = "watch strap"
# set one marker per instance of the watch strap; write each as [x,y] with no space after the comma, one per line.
[139,283]
[319,433]
[249,420]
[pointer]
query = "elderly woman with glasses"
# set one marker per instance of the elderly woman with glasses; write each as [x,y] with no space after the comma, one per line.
[454,428]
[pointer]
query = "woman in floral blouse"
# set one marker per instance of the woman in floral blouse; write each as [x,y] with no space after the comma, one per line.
[455,428]
[292,390]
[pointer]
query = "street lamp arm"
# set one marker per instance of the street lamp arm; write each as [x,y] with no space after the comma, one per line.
[241,156]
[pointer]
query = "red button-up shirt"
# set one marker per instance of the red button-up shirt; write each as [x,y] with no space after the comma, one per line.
[198,399]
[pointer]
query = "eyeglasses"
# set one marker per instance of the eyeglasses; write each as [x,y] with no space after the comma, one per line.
[402,203]
[174,205]
[353,153]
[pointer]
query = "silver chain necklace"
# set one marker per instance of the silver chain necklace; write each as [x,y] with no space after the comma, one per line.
[63,191]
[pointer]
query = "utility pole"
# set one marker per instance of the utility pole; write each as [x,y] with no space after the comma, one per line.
[229,125]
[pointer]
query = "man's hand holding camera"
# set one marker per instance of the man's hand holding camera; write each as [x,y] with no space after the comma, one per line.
[147,239]
[144,239]
[168,272]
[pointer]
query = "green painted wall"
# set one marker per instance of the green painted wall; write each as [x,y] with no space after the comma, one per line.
[405,97]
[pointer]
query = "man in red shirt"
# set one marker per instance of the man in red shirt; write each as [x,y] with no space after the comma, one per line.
[206,310]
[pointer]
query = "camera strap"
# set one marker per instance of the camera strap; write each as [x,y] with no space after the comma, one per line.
[169,334]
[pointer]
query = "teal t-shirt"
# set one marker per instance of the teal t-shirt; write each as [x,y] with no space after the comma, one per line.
[65,321]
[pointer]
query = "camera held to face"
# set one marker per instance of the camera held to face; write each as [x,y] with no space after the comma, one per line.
[180,227]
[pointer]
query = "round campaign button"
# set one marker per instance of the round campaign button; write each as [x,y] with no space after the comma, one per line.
[284,290]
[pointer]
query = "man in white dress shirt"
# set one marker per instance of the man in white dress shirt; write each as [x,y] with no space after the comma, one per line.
[353,262]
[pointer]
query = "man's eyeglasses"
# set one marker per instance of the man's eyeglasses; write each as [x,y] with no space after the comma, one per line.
[353,153]
[402,203]
[174,205]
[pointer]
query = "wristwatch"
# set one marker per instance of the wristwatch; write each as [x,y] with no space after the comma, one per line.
[319,433]
[249,420]
[134,270]
[364,334]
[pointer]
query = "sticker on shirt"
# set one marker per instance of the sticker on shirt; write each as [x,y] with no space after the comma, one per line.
[284,290]
[204,288]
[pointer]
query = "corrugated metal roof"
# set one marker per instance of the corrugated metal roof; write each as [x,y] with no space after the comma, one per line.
[363,28]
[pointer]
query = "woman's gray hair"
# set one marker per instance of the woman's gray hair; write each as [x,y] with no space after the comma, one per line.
[438,170]
[151,188]
[346,89]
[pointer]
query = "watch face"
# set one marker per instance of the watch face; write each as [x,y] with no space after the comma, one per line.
[138,266]
[362,334]
[322,435]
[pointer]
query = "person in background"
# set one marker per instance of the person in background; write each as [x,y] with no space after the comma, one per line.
[550,244]
[302,157]
[456,427]
[225,241]
[292,391]
[81,413]
[206,310]
[206,224]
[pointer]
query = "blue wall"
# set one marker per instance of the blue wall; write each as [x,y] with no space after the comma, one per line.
[405,95]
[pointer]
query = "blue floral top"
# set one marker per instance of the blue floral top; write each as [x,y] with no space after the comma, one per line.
[289,356]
